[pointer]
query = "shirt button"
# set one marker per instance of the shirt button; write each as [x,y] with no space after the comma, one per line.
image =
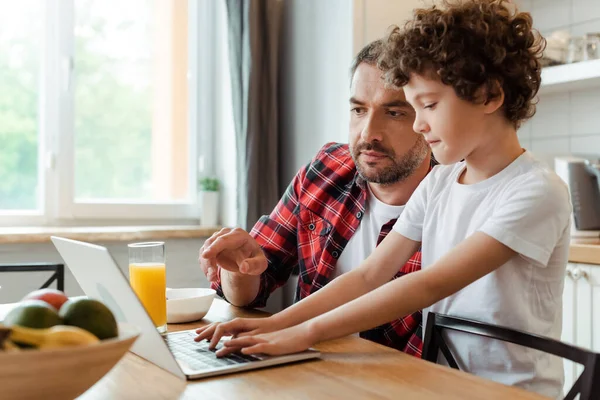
[311,227]
[335,254]
[359,215]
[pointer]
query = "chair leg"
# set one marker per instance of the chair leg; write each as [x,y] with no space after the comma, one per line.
[60,277]
[575,389]
[430,344]
[47,284]
[590,384]
[446,351]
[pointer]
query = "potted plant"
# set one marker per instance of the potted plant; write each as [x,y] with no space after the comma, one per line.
[209,201]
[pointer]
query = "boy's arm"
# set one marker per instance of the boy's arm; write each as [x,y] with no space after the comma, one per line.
[472,259]
[528,222]
[376,270]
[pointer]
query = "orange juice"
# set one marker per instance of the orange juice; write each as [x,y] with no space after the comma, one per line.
[149,281]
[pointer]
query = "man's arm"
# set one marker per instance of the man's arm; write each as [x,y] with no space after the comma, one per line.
[251,266]
[239,288]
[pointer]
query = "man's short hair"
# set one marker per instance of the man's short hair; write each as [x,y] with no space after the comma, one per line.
[368,54]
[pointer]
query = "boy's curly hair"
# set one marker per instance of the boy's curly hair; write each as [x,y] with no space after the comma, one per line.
[470,45]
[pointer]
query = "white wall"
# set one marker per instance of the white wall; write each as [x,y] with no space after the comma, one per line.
[565,122]
[316,56]
[372,18]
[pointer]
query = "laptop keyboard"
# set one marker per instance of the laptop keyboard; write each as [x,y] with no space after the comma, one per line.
[198,356]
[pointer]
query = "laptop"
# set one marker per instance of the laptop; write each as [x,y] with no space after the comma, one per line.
[100,278]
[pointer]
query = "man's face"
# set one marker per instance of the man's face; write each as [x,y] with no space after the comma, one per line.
[382,142]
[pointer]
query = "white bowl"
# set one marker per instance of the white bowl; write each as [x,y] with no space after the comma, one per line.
[189,304]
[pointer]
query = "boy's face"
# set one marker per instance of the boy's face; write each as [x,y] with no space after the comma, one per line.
[382,142]
[451,126]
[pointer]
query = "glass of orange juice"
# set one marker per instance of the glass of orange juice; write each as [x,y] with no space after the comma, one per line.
[148,278]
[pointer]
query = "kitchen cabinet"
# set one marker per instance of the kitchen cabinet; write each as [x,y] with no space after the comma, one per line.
[581,313]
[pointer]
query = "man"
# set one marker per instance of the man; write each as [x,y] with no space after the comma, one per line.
[336,210]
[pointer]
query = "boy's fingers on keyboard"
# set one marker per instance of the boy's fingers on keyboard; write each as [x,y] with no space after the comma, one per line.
[225,351]
[200,338]
[220,331]
[260,348]
[205,333]
[200,330]
[203,328]
[242,342]
[246,334]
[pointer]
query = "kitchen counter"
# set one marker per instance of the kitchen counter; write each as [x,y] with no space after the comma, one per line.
[105,233]
[585,251]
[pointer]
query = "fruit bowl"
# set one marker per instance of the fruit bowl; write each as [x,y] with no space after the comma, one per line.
[62,373]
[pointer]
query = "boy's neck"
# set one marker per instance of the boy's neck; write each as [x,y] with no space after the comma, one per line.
[492,156]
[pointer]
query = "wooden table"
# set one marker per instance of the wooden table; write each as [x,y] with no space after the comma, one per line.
[350,368]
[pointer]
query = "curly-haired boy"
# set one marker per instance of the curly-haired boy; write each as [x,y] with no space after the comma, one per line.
[492,220]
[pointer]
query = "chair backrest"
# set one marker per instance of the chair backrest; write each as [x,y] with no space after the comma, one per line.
[587,385]
[58,269]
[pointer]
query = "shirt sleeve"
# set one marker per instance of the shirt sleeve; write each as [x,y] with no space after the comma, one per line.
[533,215]
[410,222]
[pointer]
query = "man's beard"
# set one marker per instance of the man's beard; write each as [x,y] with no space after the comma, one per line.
[400,168]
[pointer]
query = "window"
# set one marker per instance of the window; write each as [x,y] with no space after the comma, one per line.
[97,110]
[20,63]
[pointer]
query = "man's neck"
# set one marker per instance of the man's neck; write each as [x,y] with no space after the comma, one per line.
[397,194]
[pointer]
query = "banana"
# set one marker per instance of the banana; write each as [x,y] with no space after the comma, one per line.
[54,337]
[4,334]
[9,346]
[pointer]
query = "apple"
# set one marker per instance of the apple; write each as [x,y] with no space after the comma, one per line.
[54,297]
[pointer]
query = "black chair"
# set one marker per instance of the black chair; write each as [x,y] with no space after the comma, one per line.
[58,269]
[587,385]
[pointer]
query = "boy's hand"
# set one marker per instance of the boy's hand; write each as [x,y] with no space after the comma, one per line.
[239,327]
[287,341]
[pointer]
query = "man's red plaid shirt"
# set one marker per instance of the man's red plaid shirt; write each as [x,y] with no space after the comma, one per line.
[308,230]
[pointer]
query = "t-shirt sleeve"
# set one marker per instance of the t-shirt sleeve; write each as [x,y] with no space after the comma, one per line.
[410,222]
[533,214]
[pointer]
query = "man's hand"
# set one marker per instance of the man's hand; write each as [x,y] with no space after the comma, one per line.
[233,250]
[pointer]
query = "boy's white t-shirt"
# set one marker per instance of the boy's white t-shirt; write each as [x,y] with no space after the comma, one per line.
[526,207]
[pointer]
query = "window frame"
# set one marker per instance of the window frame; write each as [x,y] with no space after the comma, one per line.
[56,156]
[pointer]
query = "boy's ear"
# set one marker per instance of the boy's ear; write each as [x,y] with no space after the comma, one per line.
[494,98]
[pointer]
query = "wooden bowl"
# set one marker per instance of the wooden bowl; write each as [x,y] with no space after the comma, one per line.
[60,374]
